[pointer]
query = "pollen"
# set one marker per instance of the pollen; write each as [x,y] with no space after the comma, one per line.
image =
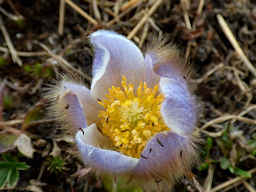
[131,116]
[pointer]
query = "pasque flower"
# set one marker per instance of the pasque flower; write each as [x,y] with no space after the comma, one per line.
[138,117]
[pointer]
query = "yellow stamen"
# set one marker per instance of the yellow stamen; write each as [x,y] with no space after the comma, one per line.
[130,118]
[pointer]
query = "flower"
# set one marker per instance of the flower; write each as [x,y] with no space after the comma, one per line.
[138,117]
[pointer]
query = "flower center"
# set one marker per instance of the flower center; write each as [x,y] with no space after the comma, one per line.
[131,117]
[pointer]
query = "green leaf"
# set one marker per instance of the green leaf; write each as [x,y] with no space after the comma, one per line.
[56,164]
[121,185]
[6,164]
[9,170]
[34,114]
[242,173]
[226,138]
[203,166]
[13,178]
[3,62]
[7,141]
[231,169]
[209,144]
[21,166]
[13,164]
[224,163]
[252,143]
[28,68]
[8,157]
[8,101]
[4,173]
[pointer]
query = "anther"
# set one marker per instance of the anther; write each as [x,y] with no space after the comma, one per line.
[81,130]
[181,154]
[159,142]
[67,106]
[98,99]
[150,150]
[144,157]
[157,180]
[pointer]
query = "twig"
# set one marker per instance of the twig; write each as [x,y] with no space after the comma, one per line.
[61,16]
[208,180]
[118,17]
[235,44]
[35,123]
[153,24]
[21,89]
[81,12]
[25,54]
[231,182]
[13,52]
[185,6]
[212,134]
[129,4]
[197,185]
[10,123]
[228,117]
[96,10]
[144,35]
[144,19]
[11,16]
[65,65]
[248,187]
[205,76]
[1,99]
[247,110]
[200,7]
[117,7]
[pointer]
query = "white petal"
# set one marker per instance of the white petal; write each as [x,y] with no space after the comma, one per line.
[92,136]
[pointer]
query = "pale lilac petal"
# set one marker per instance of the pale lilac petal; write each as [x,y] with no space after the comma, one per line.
[115,56]
[103,160]
[166,156]
[166,66]
[179,108]
[151,78]
[89,104]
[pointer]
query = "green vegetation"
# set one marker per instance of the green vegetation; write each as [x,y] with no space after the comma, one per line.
[10,169]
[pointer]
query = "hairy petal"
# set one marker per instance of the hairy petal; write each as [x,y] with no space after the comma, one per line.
[166,156]
[114,56]
[72,110]
[89,104]
[103,160]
